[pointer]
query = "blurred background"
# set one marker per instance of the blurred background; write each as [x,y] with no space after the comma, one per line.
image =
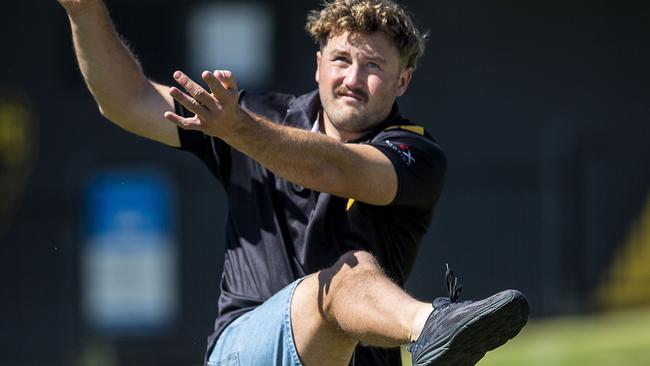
[111,246]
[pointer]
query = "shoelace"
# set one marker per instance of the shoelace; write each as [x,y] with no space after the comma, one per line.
[453,286]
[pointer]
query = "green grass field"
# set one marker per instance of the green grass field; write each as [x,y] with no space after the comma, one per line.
[614,339]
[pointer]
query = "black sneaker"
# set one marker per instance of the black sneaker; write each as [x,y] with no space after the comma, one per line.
[460,333]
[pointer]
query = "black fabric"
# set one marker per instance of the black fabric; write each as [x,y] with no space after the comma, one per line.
[278,231]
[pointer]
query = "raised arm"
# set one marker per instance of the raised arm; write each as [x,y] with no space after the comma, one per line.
[315,161]
[122,92]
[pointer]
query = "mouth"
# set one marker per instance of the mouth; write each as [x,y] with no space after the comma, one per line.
[351,97]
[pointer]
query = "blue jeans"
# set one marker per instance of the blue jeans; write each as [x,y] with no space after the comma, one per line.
[261,336]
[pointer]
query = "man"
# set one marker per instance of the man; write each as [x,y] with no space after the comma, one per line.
[329,195]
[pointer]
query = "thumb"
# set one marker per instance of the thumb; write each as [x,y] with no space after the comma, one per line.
[226,79]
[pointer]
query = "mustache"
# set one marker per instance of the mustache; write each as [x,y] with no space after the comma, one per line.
[358,93]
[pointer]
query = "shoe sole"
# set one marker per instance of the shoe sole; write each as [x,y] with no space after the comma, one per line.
[467,344]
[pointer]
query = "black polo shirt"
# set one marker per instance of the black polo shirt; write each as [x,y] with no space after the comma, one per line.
[278,231]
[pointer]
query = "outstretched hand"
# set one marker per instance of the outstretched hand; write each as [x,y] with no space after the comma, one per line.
[215,111]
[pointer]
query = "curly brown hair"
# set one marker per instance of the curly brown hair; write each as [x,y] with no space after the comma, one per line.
[368,16]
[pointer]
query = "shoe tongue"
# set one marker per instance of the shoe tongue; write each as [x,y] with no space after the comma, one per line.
[441,302]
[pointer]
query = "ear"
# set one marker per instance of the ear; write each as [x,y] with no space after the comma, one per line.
[404,80]
[318,57]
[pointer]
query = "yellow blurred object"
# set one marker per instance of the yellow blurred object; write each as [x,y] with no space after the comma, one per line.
[628,281]
[15,128]
[17,152]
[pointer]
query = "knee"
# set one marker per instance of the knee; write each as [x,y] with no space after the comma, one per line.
[350,271]
[351,266]
[357,261]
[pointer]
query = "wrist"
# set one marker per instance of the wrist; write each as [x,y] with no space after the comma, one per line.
[239,129]
[80,12]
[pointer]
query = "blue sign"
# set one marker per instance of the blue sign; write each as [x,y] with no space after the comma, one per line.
[129,264]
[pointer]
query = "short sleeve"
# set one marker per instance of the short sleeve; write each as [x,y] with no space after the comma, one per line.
[420,165]
[212,151]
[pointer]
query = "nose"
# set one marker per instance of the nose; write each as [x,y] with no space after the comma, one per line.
[353,77]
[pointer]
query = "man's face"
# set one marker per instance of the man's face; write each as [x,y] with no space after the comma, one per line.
[359,77]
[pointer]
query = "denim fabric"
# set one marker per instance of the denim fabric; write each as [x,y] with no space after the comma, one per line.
[260,337]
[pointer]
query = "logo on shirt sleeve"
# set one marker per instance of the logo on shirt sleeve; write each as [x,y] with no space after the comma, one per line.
[403,152]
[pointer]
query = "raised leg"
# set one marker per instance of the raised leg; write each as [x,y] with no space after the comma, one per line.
[350,302]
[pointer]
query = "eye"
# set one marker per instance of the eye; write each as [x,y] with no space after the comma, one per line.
[373,65]
[340,59]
